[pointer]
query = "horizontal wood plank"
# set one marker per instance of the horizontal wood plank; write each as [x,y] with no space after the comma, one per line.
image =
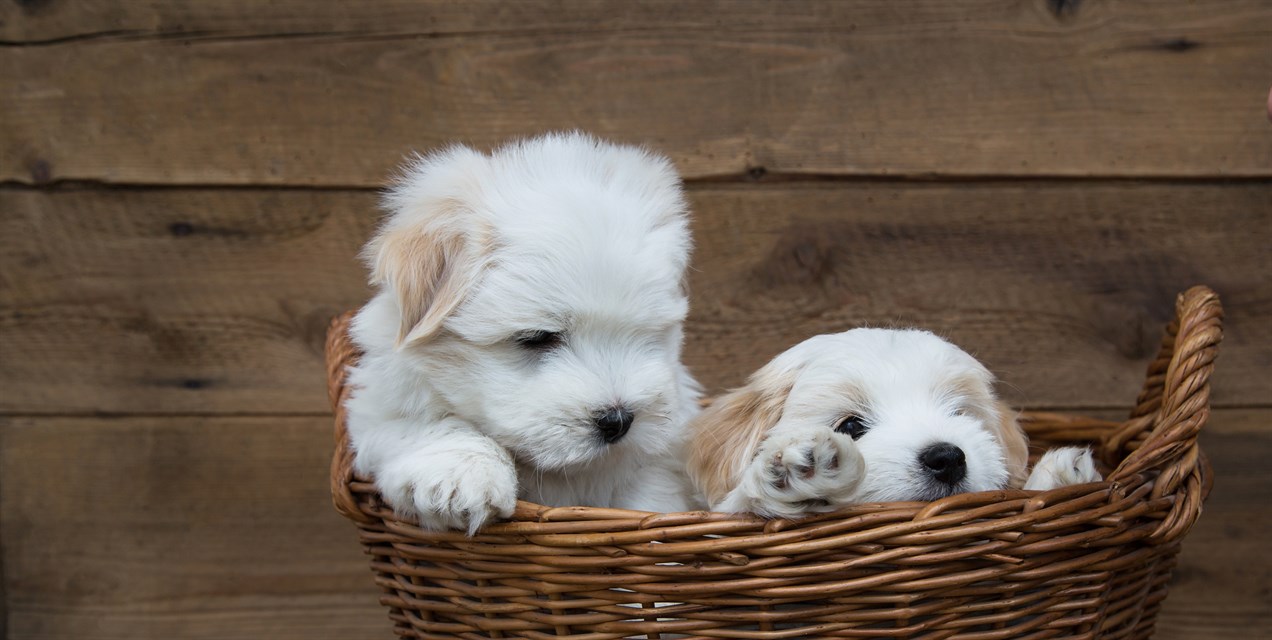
[1223,585]
[1061,290]
[33,22]
[178,528]
[222,527]
[216,301]
[1126,89]
[174,301]
[45,21]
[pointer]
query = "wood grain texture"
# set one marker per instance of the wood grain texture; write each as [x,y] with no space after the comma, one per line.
[178,528]
[1223,586]
[44,21]
[1127,89]
[216,301]
[191,299]
[162,301]
[221,528]
[34,22]
[1062,290]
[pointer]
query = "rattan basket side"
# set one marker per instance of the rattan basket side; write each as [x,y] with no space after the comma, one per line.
[1087,561]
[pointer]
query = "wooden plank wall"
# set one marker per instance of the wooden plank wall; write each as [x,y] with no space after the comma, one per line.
[185,185]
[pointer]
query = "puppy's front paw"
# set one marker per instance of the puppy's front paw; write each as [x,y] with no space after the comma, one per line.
[1063,467]
[461,490]
[799,471]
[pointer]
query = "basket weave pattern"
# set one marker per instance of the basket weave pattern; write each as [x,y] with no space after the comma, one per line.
[1087,561]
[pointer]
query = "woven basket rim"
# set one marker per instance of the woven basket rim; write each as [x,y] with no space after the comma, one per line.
[1155,447]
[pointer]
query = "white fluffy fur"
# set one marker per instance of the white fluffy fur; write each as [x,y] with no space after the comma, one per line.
[1062,467]
[453,418]
[771,447]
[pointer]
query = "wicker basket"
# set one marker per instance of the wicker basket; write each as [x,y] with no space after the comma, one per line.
[1088,561]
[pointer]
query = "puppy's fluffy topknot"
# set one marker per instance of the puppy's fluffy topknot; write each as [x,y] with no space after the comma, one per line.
[461,174]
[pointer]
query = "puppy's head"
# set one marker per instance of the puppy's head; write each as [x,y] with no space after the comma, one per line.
[540,290]
[922,412]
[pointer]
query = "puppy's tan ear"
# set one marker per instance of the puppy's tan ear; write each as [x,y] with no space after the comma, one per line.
[1015,445]
[726,436]
[429,268]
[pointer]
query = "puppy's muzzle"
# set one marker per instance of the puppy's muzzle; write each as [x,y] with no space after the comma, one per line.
[613,423]
[945,462]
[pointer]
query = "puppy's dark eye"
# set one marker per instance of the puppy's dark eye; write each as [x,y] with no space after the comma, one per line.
[538,340]
[854,426]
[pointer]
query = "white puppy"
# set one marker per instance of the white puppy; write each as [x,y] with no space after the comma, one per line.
[868,415]
[525,339]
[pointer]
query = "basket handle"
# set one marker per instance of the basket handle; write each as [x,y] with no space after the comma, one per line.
[1172,408]
[341,354]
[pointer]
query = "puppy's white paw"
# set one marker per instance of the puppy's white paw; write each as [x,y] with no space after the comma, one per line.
[455,490]
[1063,467]
[799,471]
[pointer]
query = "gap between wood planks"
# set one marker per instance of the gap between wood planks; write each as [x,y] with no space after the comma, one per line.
[40,25]
[1110,412]
[755,176]
[138,35]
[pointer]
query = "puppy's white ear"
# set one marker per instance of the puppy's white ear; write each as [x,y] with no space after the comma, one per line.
[726,436]
[1015,445]
[430,251]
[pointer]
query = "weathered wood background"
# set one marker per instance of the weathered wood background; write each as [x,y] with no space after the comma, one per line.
[185,185]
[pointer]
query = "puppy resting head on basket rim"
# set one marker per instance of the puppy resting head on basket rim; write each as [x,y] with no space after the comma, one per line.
[867,415]
[525,337]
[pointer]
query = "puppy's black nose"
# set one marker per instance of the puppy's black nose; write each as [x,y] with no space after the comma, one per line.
[945,462]
[614,423]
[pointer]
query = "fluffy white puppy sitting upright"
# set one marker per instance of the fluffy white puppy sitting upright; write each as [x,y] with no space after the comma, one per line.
[868,415]
[525,339]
